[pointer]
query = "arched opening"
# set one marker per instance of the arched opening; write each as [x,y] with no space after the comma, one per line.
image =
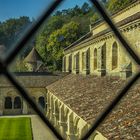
[41,102]
[64,64]
[95,59]
[83,61]
[114,56]
[17,103]
[88,61]
[8,103]
[70,63]
[103,57]
[77,63]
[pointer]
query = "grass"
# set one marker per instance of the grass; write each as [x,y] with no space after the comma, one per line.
[15,129]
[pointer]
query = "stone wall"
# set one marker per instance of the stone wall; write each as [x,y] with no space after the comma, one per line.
[34,83]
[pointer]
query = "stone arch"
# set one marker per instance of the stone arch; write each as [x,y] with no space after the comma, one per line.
[114,55]
[95,59]
[88,61]
[41,101]
[17,103]
[8,103]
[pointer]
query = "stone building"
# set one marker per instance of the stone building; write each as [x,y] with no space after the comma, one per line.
[11,102]
[100,53]
[33,60]
[99,67]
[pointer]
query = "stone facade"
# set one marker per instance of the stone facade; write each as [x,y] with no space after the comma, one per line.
[12,103]
[96,52]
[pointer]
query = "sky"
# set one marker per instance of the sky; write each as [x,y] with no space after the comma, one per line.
[31,8]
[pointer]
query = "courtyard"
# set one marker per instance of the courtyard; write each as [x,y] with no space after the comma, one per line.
[23,127]
[15,128]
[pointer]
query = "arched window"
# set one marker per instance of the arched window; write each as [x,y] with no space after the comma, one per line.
[41,102]
[114,56]
[17,103]
[95,59]
[103,57]
[83,60]
[64,64]
[70,63]
[88,61]
[77,62]
[8,103]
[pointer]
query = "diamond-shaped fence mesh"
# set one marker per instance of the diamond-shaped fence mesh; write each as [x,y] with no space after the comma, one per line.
[10,57]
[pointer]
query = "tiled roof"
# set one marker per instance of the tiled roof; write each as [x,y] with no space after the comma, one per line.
[32,80]
[89,95]
[33,56]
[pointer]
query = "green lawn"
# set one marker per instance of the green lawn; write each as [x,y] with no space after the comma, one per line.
[15,129]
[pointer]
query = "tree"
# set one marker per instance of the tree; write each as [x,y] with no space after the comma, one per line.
[114,5]
[85,8]
[59,40]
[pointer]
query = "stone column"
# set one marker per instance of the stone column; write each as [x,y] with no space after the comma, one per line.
[55,113]
[24,108]
[52,109]
[48,105]
[72,133]
[62,121]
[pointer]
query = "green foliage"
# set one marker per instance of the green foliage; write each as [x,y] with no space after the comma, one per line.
[94,18]
[11,29]
[60,39]
[18,66]
[63,28]
[17,129]
[115,5]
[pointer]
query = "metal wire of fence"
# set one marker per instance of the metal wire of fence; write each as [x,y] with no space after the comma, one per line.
[5,63]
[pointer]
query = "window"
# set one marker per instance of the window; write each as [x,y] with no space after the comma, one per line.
[70,63]
[88,61]
[64,65]
[41,102]
[114,56]
[83,60]
[77,63]
[8,103]
[17,103]
[103,57]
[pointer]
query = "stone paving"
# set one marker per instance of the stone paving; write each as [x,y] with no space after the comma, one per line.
[40,131]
